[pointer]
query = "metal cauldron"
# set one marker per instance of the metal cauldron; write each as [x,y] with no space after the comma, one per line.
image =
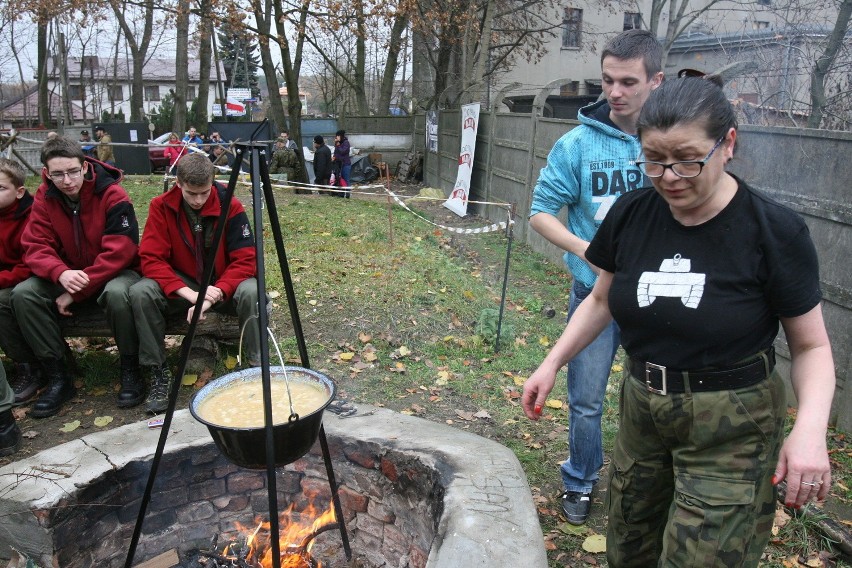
[246,447]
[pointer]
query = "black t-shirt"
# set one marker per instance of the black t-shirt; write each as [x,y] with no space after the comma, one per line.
[706,295]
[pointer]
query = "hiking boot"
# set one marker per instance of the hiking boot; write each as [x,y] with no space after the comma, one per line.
[10,434]
[132,388]
[576,506]
[60,389]
[27,382]
[158,398]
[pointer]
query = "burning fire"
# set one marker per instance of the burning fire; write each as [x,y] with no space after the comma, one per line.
[296,538]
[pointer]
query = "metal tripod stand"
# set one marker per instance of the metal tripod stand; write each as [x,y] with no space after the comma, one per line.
[261,194]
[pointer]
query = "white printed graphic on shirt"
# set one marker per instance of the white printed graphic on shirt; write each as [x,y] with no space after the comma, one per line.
[674,280]
[606,202]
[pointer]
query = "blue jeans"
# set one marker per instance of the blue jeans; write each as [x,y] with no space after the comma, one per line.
[588,374]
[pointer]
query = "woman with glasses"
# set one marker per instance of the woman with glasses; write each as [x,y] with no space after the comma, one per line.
[698,272]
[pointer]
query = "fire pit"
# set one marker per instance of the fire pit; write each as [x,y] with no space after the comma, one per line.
[414,493]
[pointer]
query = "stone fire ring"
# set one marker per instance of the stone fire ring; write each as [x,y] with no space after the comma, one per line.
[488,519]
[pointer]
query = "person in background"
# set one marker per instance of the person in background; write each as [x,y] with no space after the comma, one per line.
[175,245]
[15,206]
[341,157]
[87,144]
[291,144]
[284,160]
[322,161]
[104,149]
[81,244]
[587,169]
[192,137]
[699,271]
[219,155]
[174,150]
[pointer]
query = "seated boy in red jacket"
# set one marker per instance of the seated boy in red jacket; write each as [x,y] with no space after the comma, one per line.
[175,245]
[15,205]
[81,244]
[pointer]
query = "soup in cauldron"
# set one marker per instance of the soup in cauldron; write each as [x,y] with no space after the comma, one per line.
[240,405]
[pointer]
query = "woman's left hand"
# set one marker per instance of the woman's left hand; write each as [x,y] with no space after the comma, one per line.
[803,463]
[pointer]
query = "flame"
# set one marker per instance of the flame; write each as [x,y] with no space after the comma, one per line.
[293,527]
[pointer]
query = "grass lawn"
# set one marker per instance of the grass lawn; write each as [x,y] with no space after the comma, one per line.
[409,322]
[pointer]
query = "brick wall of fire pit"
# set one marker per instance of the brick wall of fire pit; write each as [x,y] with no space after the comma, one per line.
[407,499]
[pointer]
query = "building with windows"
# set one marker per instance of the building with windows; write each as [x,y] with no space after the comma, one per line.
[103,84]
[784,44]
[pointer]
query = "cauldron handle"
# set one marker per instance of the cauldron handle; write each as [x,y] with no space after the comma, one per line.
[280,362]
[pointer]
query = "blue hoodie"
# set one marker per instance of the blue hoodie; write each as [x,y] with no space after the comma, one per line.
[587,169]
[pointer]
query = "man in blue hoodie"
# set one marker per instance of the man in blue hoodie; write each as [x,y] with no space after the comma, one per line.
[587,169]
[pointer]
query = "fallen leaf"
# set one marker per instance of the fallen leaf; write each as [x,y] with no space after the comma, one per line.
[464,415]
[312,302]
[595,544]
[19,413]
[553,403]
[482,414]
[616,368]
[89,412]
[369,356]
[188,380]
[102,421]
[230,362]
[29,434]
[544,341]
[568,528]
[364,337]
[403,351]
[70,426]
[347,356]
[273,293]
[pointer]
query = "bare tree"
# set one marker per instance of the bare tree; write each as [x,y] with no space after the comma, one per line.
[824,63]
[138,44]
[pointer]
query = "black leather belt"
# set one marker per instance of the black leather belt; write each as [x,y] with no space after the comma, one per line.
[660,380]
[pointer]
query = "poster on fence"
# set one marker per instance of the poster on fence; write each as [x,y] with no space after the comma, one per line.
[457,201]
[432,131]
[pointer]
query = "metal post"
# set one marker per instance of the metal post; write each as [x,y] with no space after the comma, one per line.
[509,228]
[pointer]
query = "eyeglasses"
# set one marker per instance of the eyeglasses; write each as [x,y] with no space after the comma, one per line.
[59,177]
[684,169]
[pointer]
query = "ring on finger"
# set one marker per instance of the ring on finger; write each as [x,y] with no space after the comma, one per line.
[811,483]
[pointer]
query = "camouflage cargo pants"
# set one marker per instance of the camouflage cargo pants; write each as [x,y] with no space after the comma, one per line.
[691,473]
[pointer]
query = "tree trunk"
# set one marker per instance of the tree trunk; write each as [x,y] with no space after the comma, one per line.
[181,66]
[138,52]
[400,24]
[479,80]
[359,73]
[263,15]
[824,63]
[205,49]
[43,95]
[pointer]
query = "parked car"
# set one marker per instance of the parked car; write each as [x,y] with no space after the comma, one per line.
[155,153]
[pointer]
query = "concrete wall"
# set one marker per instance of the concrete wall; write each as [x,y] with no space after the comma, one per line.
[807,170]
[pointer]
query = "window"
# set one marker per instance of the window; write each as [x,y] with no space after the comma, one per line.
[572,28]
[759,25]
[632,21]
[116,93]
[152,93]
[190,94]
[75,92]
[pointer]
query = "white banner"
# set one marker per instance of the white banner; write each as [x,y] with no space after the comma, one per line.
[457,201]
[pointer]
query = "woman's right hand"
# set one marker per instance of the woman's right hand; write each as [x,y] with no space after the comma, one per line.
[536,389]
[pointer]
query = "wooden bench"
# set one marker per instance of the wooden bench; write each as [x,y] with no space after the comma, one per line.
[210,332]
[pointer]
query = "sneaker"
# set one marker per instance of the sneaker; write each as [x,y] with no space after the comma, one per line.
[576,506]
[158,397]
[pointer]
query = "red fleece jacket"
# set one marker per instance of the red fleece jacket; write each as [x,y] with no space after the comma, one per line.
[102,240]
[13,219]
[168,243]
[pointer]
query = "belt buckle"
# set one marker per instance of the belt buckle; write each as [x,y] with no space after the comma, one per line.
[662,369]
